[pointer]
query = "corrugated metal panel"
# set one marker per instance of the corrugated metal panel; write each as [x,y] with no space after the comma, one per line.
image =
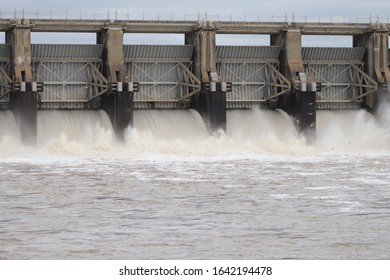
[265,53]
[333,54]
[63,105]
[160,105]
[69,105]
[85,52]
[158,81]
[66,81]
[252,83]
[335,73]
[336,80]
[246,67]
[249,105]
[339,106]
[336,70]
[154,72]
[62,71]
[247,93]
[135,52]
[243,72]
[159,73]
[5,52]
[335,93]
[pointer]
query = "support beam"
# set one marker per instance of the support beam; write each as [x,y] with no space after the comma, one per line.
[210,102]
[118,101]
[23,98]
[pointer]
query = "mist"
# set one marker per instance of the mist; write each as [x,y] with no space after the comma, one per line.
[183,132]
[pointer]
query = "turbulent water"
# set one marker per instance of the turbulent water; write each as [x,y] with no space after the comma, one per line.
[171,191]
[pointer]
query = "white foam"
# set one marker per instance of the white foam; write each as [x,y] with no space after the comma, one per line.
[250,133]
[74,132]
[9,136]
[350,131]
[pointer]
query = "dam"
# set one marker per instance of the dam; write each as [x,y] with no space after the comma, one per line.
[198,75]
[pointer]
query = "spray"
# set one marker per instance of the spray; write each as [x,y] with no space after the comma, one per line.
[351,131]
[67,131]
[9,134]
[383,111]
[183,132]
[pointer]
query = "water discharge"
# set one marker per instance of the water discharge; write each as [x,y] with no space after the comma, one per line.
[351,131]
[167,124]
[172,191]
[183,132]
[264,131]
[74,131]
[7,124]
[9,136]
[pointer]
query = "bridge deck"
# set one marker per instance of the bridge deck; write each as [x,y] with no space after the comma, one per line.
[221,27]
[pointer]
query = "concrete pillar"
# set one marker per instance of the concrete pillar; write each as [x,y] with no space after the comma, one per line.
[23,98]
[301,102]
[118,101]
[306,116]
[376,60]
[290,65]
[291,62]
[211,101]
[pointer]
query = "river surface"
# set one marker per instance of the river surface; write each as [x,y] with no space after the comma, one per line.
[258,192]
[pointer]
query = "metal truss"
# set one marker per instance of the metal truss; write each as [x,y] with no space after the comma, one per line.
[164,84]
[70,81]
[253,82]
[342,82]
[5,82]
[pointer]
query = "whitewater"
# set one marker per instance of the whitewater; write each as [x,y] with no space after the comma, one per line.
[172,191]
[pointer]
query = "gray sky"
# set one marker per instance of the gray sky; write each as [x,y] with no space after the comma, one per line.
[350,7]
[330,10]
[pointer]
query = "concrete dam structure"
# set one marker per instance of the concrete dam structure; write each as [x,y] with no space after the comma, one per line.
[198,75]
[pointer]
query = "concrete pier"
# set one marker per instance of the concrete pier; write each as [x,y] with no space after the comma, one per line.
[210,102]
[306,108]
[301,101]
[290,66]
[23,98]
[376,59]
[118,100]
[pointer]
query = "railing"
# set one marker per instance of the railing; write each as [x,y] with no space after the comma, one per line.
[164,16]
